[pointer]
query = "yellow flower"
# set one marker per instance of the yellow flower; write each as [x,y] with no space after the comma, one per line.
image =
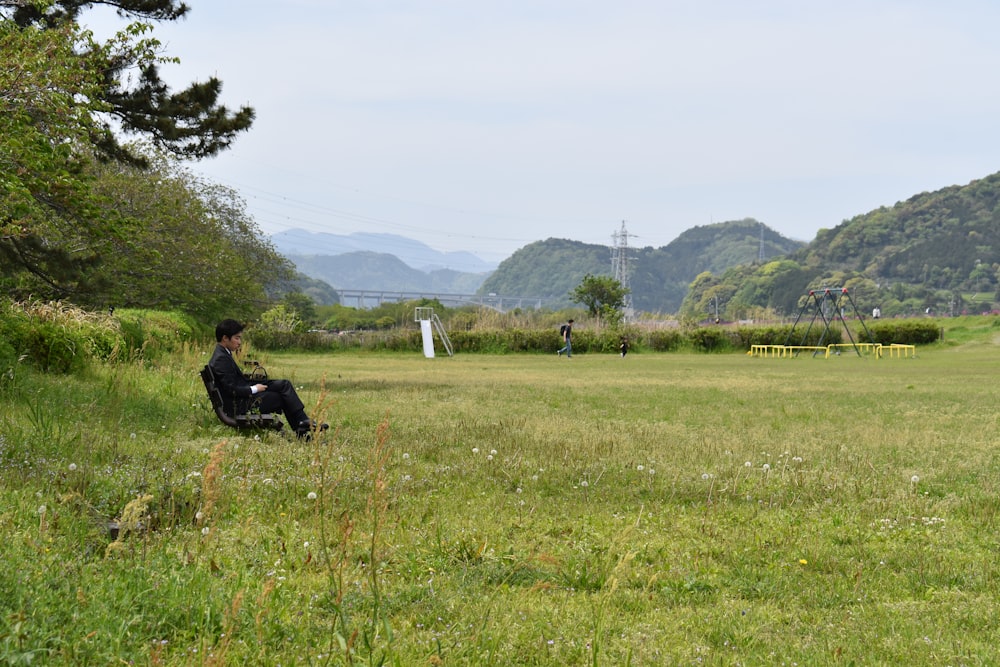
[803,561]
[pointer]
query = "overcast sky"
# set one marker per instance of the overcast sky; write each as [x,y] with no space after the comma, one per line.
[485,126]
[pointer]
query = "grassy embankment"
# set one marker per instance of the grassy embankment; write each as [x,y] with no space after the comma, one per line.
[520,509]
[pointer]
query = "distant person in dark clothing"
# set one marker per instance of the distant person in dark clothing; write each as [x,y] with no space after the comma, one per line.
[567,335]
[623,347]
[239,391]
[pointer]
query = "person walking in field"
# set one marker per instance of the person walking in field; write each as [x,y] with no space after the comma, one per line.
[623,347]
[566,331]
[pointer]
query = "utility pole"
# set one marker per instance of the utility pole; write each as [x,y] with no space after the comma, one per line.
[620,265]
[760,251]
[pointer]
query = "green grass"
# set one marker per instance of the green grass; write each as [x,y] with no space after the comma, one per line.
[519,509]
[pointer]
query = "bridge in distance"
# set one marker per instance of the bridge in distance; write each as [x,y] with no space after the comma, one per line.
[361,298]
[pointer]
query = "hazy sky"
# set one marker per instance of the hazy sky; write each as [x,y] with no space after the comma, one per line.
[485,126]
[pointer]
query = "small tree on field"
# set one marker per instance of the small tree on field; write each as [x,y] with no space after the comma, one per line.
[603,296]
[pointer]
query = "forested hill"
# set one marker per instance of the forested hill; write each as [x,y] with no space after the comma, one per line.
[659,276]
[936,252]
[934,238]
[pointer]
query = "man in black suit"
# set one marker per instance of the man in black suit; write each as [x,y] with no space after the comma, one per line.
[236,389]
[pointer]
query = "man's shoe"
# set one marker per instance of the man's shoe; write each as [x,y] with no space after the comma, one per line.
[306,427]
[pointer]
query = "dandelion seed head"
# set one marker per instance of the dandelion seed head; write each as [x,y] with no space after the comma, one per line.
[489,457]
[72,467]
[311,495]
[747,465]
[475,450]
[767,466]
[640,467]
[199,515]
[705,475]
[406,456]
[205,531]
[915,479]
[584,484]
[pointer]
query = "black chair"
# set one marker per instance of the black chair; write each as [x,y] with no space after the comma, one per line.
[243,422]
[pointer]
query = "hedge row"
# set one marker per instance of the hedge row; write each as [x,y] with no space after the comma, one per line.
[701,339]
[57,338]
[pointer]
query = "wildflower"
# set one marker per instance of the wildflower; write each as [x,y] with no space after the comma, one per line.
[205,531]
[640,467]
[199,515]
[705,475]
[584,484]
[475,450]
[305,545]
[312,495]
[406,456]
[518,490]
[493,452]
[42,509]
[72,467]
[803,561]
[767,466]
[132,435]
[797,459]
[747,465]
[915,479]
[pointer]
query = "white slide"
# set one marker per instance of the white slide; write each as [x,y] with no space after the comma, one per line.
[428,334]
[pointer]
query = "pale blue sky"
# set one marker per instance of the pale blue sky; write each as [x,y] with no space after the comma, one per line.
[485,126]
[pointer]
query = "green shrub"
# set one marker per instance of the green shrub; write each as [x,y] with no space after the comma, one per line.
[905,332]
[662,340]
[150,334]
[709,339]
[55,337]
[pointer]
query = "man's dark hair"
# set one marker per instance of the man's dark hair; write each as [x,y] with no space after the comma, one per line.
[227,328]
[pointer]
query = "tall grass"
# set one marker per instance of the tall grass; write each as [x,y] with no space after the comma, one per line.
[517,509]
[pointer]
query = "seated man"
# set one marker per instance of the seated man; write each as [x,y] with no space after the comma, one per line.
[236,389]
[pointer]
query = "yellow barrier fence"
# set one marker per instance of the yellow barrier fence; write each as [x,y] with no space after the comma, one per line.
[876,350]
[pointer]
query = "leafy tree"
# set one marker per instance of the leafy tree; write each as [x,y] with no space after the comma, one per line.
[190,123]
[603,296]
[301,305]
[189,245]
[46,100]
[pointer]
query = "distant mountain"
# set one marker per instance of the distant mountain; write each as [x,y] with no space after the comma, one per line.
[380,271]
[414,254]
[659,277]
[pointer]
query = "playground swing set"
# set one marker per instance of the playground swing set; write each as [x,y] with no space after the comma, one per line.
[829,306]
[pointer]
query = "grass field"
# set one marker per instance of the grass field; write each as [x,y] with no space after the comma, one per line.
[667,509]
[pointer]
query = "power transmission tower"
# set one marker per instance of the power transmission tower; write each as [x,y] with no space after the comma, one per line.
[620,265]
